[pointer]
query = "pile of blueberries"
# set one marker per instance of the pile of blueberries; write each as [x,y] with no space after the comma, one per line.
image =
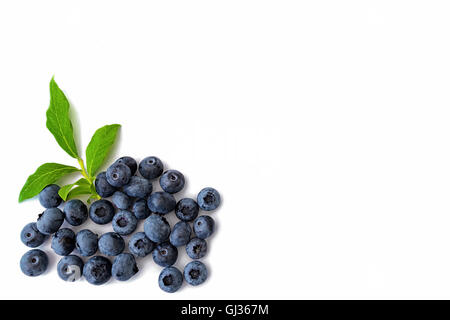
[131,200]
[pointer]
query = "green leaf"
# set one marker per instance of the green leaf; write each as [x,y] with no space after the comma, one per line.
[58,120]
[64,191]
[78,191]
[98,148]
[44,175]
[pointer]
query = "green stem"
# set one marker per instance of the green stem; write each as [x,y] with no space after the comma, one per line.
[83,170]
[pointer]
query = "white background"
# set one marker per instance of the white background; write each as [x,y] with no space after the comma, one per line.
[324,125]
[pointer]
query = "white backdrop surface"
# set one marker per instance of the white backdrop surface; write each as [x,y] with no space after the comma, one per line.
[324,125]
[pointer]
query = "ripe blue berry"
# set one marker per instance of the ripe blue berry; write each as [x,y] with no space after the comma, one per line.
[31,236]
[101,211]
[208,199]
[165,254]
[50,221]
[118,174]
[186,209]
[76,212]
[34,263]
[138,187]
[161,202]
[111,244]
[151,167]
[181,233]
[70,268]
[63,241]
[203,227]
[140,245]
[124,222]
[121,200]
[140,209]
[129,162]
[196,248]
[170,279]
[172,181]
[97,270]
[195,273]
[49,197]
[124,267]
[103,188]
[86,242]
[157,228]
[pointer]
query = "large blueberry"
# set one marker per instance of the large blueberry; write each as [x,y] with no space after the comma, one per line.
[49,197]
[196,248]
[170,279]
[138,187]
[186,209]
[86,242]
[111,244]
[129,162]
[103,188]
[76,212]
[31,236]
[97,270]
[203,227]
[50,221]
[161,202]
[34,262]
[118,174]
[124,222]
[195,273]
[121,200]
[140,209]
[208,199]
[151,167]
[165,254]
[70,268]
[101,211]
[181,233]
[157,228]
[63,241]
[124,267]
[172,181]
[140,245]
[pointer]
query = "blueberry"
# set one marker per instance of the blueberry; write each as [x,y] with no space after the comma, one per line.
[124,267]
[63,241]
[195,273]
[118,174]
[97,270]
[121,200]
[140,245]
[151,167]
[172,181]
[129,162]
[86,242]
[103,188]
[165,254]
[181,233]
[49,197]
[138,187]
[170,279]
[208,199]
[101,211]
[111,244]
[31,236]
[203,227]
[140,209]
[124,222]
[50,221]
[76,212]
[157,228]
[196,248]
[70,268]
[186,209]
[161,202]
[34,262]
